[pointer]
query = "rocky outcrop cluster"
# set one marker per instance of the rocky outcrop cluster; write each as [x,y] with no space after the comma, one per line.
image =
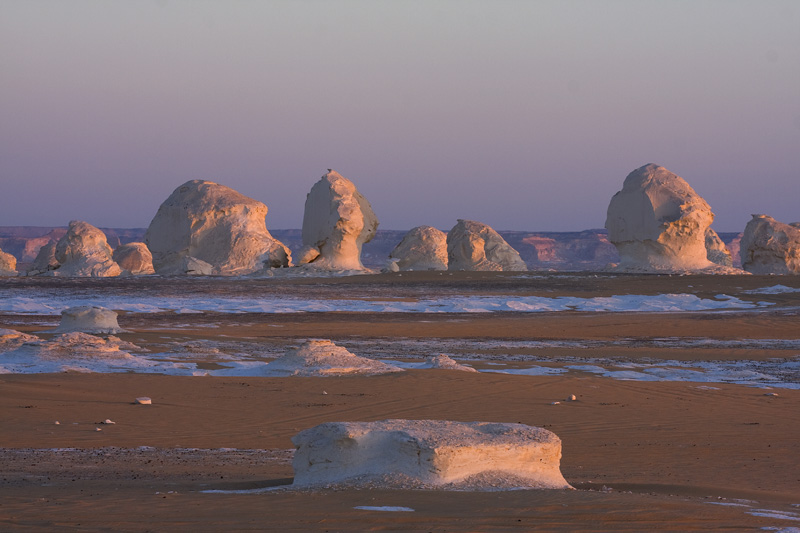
[83,251]
[659,223]
[337,221]
[476,246]
[770,247]
[422,248]
[208,228]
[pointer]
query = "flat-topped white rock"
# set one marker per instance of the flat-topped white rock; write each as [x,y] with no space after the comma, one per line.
[84,252]
[475,246]
[135,258]
[422,248]
[324,358]
[215,225]
[658,222]
[88,319]
[428,453]
[770,247]
[8,264]
[337,221]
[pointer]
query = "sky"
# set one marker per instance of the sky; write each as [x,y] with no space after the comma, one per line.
[524,115]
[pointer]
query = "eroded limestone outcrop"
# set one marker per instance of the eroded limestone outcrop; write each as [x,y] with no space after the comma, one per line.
[215,225]
[83,252]
[324,358]
[770,247]
[337,221]
[135,258]
[88,319]
[475,246]
[429,454]
[659,223]
[422,248]
[8,264]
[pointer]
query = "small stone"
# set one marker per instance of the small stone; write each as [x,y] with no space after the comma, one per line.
[771,394]
[572,398]
[98,429]
[107,421]
[58,423]
[555,403]
[144,400]
[323,392]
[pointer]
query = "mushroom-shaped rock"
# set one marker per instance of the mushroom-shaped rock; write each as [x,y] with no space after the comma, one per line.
[770,247]
[716,251]
[422,248]
[337,221]
[45,260]
[476,246]
[88,319]
[84,252]
[324,358]
[135,258]
[8,264]
[658,222]
[216,225]
[428,453]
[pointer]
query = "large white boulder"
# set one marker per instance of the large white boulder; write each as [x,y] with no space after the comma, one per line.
[84,252]
[428,453]
[770,247]
[337,221]
[422,248]
[88,319]
[216,225]
[475,246]
[8,264]
[658,222]
[134,257]
[324,358]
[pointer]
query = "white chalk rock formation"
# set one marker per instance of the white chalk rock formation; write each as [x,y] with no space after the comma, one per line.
[84,252]
[430,453]
[134,257]
[324,358]
[422,248]
[658,222]
[45,260]
[476,246]
[770,247]
[444,362]
[8,264]
[215,225]
[716,251]
[88,319]
[337,221]
[11,339]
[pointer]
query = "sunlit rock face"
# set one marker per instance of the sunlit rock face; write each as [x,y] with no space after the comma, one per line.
[658,222]
[476,246]
[337,221]
[215,225]
[84,252]
[422,248]
[716,251]
[770,247]
[135,258]
[431,453]
[8,264]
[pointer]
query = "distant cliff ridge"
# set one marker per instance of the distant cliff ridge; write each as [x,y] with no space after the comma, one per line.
[562,251]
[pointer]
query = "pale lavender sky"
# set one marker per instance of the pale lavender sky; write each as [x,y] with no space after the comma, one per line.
[521,114]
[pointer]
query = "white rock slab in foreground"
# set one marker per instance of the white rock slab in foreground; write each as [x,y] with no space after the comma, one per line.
[428,453]
[88,319]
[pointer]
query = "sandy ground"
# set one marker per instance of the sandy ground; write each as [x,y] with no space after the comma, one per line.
[643,455]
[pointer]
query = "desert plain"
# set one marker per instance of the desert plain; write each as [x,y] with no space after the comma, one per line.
[686,414]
